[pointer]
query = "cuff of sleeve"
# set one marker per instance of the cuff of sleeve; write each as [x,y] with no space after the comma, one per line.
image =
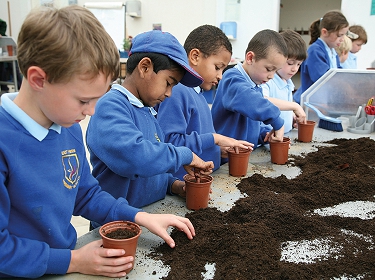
[207,140]
[278,123]
[186,155]
[171,180]
[125,212]
[59,261]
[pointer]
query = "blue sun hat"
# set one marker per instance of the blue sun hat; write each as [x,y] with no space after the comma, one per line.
[156,41]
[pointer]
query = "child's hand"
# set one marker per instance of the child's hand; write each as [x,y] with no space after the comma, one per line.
[299,114]
[159,223]
[178,188]
[275,135]
[93,259]
[228,142]
[205,167]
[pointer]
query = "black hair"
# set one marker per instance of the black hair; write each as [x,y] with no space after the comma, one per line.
[159,61]
[264,41]
[208,39]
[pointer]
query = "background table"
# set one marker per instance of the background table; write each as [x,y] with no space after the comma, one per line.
[13,59]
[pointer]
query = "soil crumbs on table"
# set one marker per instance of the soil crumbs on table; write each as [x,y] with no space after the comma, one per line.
[249,240]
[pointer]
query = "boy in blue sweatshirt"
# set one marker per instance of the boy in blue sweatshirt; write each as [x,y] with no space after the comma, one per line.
[239,109]
[185,117]
[68,61]
[127,149]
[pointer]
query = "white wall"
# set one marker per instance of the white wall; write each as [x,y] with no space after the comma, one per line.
[181,16]
[178,17]
[298,15]
[18,10]
[253,16]
[358,12]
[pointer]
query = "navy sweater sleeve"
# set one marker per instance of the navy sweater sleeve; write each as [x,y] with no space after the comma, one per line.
[119,136]
[242,98]
[183,118]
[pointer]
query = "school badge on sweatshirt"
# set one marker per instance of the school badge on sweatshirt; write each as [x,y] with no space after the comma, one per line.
[71,166]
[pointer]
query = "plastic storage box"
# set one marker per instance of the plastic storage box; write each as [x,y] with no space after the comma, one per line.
[339,92]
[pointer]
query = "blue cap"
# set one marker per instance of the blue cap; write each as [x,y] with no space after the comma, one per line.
[156,41]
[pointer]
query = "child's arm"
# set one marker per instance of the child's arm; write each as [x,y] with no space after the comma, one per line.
[317,62]
[95,260]
[284,105]
[227,142]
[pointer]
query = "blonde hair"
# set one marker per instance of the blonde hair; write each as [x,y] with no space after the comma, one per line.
[66,42]
[345,46]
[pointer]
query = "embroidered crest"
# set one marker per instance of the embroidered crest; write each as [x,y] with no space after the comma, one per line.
[71,167]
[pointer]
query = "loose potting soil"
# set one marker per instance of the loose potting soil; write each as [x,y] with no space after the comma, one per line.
[253,238]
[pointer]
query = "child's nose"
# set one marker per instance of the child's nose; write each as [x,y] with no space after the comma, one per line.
[168,93]
[89,110]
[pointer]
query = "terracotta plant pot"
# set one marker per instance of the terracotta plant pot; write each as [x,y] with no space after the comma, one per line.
[238,163]
[10,50]
[197,193]
[121,235]
[306,131]
[279,151]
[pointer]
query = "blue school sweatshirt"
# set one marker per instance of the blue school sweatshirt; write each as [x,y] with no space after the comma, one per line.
[239,109]
[316,65]
[127,150]
[186,120]
[44,180]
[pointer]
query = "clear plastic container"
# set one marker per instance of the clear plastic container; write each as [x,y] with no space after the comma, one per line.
[339,92]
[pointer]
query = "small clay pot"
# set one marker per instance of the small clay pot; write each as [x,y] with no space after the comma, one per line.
[197,193]
[238,163]
[125,236]
[306,131]
[279,151]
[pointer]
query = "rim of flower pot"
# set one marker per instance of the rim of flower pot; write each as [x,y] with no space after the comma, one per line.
[120,225]
[285,140]
[308,123]
[191,179]
[241,151]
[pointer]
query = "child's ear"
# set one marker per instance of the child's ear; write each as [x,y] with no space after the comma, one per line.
[194,57]
[250,57]
[36,77]
[324,32]
[145,67]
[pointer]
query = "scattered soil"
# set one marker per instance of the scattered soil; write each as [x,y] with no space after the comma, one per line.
[121,234]
[247,241]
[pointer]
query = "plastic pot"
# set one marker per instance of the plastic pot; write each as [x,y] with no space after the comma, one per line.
[306,131]
[279,151]
[197,193]
[121,240]
[238,163]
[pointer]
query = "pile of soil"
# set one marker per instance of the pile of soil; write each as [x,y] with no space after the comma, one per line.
[247,241]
